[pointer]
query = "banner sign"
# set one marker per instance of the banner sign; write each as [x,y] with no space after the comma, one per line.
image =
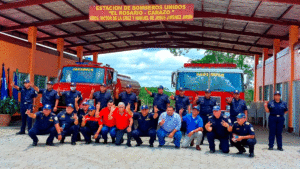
[121,13]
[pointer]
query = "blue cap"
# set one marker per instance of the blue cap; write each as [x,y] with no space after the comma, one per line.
[216,108]
[181,89]
[160,87]
[110,101]
[144,107]
[70,105]
[47,106]
[241,115]
[92,108]
[73,84]
[277,92]
[85,103]
[50,83]
[207,91]
[196,107]
[26,81]
[103,84]
[128,86]
[236,92]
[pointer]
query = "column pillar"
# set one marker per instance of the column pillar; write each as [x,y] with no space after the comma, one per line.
[276,49]
[60,48]
[32,33]
[95,57]
[293,38]
[79,50]
[256,58]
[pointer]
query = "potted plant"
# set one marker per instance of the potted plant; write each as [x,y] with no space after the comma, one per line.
[8,107]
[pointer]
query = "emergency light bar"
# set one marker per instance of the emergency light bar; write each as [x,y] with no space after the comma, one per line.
[209,65]
[88,63]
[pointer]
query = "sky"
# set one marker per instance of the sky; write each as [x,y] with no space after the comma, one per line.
[150,67]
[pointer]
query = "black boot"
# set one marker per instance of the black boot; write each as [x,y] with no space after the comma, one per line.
[20,133]
[113,140]
[34,144]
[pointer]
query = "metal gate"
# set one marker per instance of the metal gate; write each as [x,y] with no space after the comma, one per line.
[296,106]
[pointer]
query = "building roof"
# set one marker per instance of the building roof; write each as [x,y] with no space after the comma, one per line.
[237,26]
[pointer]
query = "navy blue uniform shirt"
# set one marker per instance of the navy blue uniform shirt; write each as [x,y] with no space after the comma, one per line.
[243,130]
[160,100]
[237,106]
[277,108]
[128,98]
[206,105]
[103,98]
[217,126]
[65,118]
[27,95]
[181,102]
[144,123]
[45,122]
[49,97]
[70,96]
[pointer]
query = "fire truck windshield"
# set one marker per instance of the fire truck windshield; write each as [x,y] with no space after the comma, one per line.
[200,81]
[82,75]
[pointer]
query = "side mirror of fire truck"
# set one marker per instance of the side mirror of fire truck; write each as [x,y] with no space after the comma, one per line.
[115,77]
[173,80]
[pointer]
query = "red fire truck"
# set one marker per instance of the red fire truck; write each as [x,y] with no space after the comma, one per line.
[221,79]
[88,75]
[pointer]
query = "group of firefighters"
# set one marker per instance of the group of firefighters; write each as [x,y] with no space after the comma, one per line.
[192,123]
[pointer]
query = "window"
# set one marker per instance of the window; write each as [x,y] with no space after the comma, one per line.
[260,93]
[266,92]
[40,81]
[21,77]
[82,75]
[109,77]
[279,87]
[200,81]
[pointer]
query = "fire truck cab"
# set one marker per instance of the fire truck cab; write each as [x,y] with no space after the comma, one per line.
[221,79]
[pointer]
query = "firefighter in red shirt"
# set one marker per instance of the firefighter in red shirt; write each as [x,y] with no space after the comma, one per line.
[91,126]
[123,119]
[109,125]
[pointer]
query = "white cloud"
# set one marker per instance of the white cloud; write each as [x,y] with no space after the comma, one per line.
[148,67]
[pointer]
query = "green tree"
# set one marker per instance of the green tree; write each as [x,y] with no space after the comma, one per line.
[146,99]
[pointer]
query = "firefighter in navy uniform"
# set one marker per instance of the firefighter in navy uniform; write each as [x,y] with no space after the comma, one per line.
[91,126]
[218,127]
[28,95]
[68,121]
[243,135]
[277,108]
[49,96]
[145,125]
[71,95]
[182,102]
[46,123]
[128,97]
[206,105]
[102,96]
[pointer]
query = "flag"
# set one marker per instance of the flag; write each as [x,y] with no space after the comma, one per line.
[4,94]
[15,91]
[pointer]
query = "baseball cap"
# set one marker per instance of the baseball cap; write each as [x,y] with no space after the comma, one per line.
[236,92]
[26,81]
[73,84]
[103,84]
[49,82]
[92,108]
[160,87]
[110,101]
[196,107]
[277,93]
[70,105]
[181,89]
[216,108]
[128,86]
[85,103]
[144,107]
[47,106]
[241,115]
[207,91]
